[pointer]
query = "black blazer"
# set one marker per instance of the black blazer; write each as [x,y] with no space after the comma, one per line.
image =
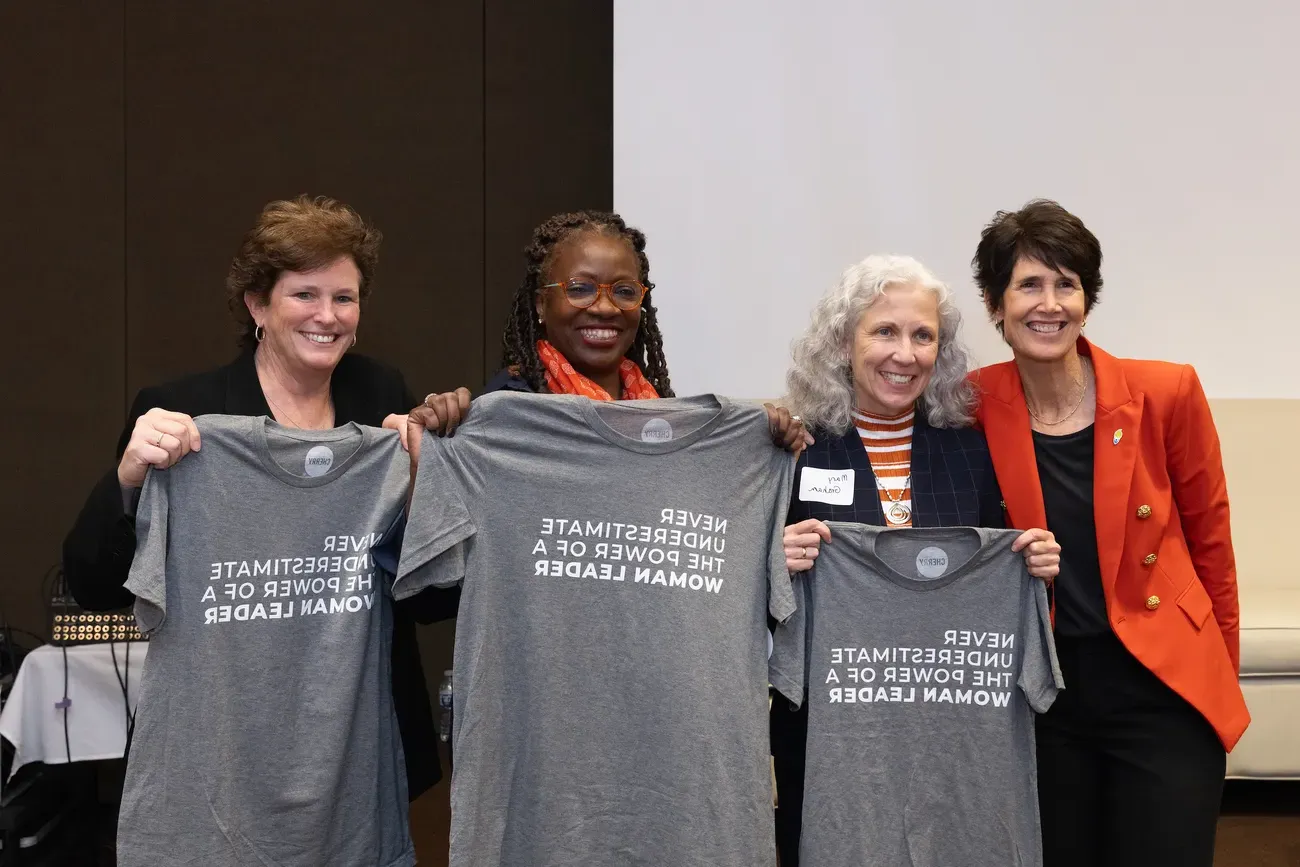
[953,485]
[97,552]
[507,380]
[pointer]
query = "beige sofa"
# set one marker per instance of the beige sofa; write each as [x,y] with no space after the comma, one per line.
[1263,471]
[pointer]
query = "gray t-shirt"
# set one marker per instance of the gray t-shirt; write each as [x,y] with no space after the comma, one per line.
[926,653]
[265,732]
[619,561]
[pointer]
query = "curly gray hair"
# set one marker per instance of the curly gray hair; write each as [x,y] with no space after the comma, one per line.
[820,381]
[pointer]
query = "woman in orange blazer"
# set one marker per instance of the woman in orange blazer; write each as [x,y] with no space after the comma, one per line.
[1120,459]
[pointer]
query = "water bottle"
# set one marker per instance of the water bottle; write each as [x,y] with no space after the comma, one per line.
[444,707]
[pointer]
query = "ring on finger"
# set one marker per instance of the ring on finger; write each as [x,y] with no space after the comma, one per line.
[803,553]
[427,397]
[158,442]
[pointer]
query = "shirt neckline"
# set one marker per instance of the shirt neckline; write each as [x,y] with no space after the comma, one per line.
[934,534]
[1080,434]
[651,408]
[265,427]
[869,418]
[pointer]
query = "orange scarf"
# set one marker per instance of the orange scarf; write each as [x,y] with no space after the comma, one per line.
[561,378]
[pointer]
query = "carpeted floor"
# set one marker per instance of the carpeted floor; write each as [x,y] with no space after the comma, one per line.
[1260,826]
[431,824]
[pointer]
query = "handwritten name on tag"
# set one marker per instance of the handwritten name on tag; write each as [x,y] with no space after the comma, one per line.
[834,487]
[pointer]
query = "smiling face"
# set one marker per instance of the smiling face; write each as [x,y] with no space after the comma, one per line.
[593,339]
[1042,311]
[895,347]
[310,317]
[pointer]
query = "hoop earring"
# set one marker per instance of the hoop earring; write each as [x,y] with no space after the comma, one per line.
[258,333]
[354,339]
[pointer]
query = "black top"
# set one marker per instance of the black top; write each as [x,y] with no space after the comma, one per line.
[1065,469]
[97,552]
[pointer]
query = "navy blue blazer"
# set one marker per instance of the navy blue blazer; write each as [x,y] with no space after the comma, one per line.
[953,485]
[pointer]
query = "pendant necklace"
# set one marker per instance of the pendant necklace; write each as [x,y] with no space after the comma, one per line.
[898,512]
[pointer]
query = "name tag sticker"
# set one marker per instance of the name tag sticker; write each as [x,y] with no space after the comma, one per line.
[826,486]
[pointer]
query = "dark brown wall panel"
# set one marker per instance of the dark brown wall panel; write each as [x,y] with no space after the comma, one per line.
[550,131]
[141,138]
[62,352]
[236,103]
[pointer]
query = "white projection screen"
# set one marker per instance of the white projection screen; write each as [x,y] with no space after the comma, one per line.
[763,146]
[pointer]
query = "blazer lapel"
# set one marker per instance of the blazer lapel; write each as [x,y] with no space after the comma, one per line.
[865,489]
[354,401]
[1115,452]
[922,473]
[243,389]
[1011,445]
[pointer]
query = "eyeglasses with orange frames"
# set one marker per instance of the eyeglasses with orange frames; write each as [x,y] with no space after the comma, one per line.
[625,294]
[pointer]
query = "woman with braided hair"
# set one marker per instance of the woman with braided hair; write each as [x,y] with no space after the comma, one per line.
[582,322]
[584,304]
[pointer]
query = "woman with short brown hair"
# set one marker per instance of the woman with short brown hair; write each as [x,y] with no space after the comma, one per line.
[296,287]
[303,235]
[1120,459]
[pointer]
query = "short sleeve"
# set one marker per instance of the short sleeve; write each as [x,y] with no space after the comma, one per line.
[788,665]
[780,596]
[388,552]
[148,576]
[439,526]
[1040,672]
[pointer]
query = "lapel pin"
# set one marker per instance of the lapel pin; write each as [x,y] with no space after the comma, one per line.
[1119,435]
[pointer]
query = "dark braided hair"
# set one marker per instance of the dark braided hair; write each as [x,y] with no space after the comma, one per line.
[522,331]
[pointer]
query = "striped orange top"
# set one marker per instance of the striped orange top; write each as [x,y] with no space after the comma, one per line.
[889,446]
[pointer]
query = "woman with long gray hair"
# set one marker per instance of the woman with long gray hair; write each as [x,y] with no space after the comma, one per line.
[879,379]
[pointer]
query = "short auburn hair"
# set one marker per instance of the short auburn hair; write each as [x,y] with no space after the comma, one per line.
[1041,230]
[301,234]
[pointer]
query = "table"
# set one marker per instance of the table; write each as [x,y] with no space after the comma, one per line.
[33,721]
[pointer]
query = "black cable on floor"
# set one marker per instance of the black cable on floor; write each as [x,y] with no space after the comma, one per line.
[67,705]
[125,685]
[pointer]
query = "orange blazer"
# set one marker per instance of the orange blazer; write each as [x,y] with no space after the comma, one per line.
[1161,507]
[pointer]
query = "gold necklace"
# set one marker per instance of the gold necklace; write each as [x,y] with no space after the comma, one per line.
[1082,393]
[278,410]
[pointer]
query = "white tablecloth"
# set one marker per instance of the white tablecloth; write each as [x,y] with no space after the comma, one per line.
[97,716]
